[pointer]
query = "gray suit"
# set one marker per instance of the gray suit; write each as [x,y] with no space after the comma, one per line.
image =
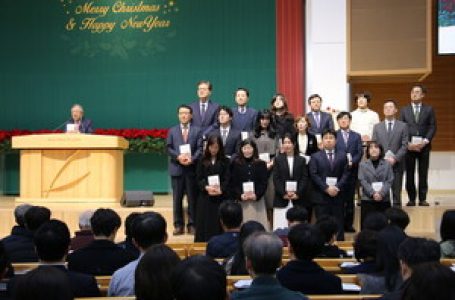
[397,143]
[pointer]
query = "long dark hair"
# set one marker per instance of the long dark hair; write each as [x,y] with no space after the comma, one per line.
[211,140]
[264,114]
[240,157]
[292,138]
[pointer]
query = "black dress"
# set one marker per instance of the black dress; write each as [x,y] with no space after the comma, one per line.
[208,222]
[284,124]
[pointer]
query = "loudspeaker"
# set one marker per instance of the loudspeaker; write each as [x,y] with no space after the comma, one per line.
[138,198]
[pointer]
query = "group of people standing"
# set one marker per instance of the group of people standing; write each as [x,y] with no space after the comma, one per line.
[269,161]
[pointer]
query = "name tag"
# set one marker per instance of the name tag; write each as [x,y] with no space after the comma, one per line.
[214,180]
[244,135]
[377,186]
[416,140]
[291,186]
[72,127]
[389,154]
[185,149]
[349,157]
[248,187]
[265,157]
[331,181]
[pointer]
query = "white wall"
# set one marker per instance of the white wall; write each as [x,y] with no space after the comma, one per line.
[326,52]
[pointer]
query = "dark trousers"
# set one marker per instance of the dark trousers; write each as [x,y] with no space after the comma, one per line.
[334,210]
[397,183]
[348,200]
[423,159]
[181,185]
[369,206]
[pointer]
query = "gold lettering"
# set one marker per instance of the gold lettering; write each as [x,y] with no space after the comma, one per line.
[146,25]
[90,24]
[89,8]
[122,7]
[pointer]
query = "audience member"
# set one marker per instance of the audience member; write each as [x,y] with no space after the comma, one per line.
[447,232]
[397,216]
[20,236]
[294,215]
[197,278]
[5,269]
[263,253]
[153,273]
[84,235]
[375,221]
[365,246]
[225,244]
[148,229]
[102,256]
[329,229]
[302,273]
[128,244]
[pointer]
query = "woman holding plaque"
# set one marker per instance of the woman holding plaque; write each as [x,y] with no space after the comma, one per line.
[290,178]
[213,178]
[264,135]
[376,177]
[249,182]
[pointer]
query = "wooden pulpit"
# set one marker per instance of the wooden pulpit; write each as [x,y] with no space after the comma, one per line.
[70,168]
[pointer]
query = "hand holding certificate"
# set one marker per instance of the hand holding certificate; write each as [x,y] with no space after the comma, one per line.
[248,191]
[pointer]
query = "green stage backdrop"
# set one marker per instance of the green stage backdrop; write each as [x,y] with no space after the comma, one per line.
[130,64]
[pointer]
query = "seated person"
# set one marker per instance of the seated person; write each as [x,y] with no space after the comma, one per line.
[398,217]
[18,230]
[52,242]
[5,268]
[225,244]
[128,244]
[302,273]
[78,123]
[365,246]
[447,231]
[375,221]
[21,247]
[329,229]
[102,256]
[294,215]
[84,236]
[263,252]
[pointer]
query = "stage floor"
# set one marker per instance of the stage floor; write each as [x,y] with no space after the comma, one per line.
[424,220]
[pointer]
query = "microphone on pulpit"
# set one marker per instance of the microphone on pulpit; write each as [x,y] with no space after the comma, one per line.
[61,125]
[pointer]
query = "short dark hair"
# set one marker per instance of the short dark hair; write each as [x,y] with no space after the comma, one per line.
[398,217]
[328,227]
[381,149]
[199,277]
[185,106]
[231,214]
[226,109]
[105,221]
[149,229]
[264,250]
[419,85]
[152,280]
[365,244]
[210,86]
[19,214]
[365,95]
[52,240]
[247,92]
[447,229]
[36,216]
[414,251]
[330,132]
[306,241]
[129,223]
[344,113]
[312,96]
[375,221]
[297,214]
[293,139]
[393,101]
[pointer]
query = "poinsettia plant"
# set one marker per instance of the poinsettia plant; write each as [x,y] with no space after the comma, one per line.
[140,140]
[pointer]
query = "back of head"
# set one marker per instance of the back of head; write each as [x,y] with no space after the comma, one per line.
[397,216]
[430,281]
[153,273]
[19,214]
[248,228]
[199,277]
[306,241]
[365,245]
[297,214]
[328,227]
[43,283]
[149,229]
[129,221]
[105,222]
[231,214]
[36,216]
[414,251]
[263,251]
[448,225]
[52,240]
[84,220]
[375,221]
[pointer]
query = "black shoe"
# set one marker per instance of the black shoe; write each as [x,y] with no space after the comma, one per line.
[397,205]
[190,229]
[178,230]
[349,229]
[411,203]
[424,203]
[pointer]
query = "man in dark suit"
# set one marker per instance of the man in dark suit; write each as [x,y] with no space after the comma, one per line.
[244,118]
[224,128]
[329,173]
[81,124]
[349,142]
[184,147]
[52,242]
[392,134]
[204,110]
[421,122]
[263,253]
[302,274]
[319,120]
[102,256]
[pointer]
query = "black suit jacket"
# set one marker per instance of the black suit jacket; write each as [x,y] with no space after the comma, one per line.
[312,144]
[325,122]
[425,127]
[308,278]
[233,140]
[255,171]
[210,116]
[281,175]
[101,257]
[19,245]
